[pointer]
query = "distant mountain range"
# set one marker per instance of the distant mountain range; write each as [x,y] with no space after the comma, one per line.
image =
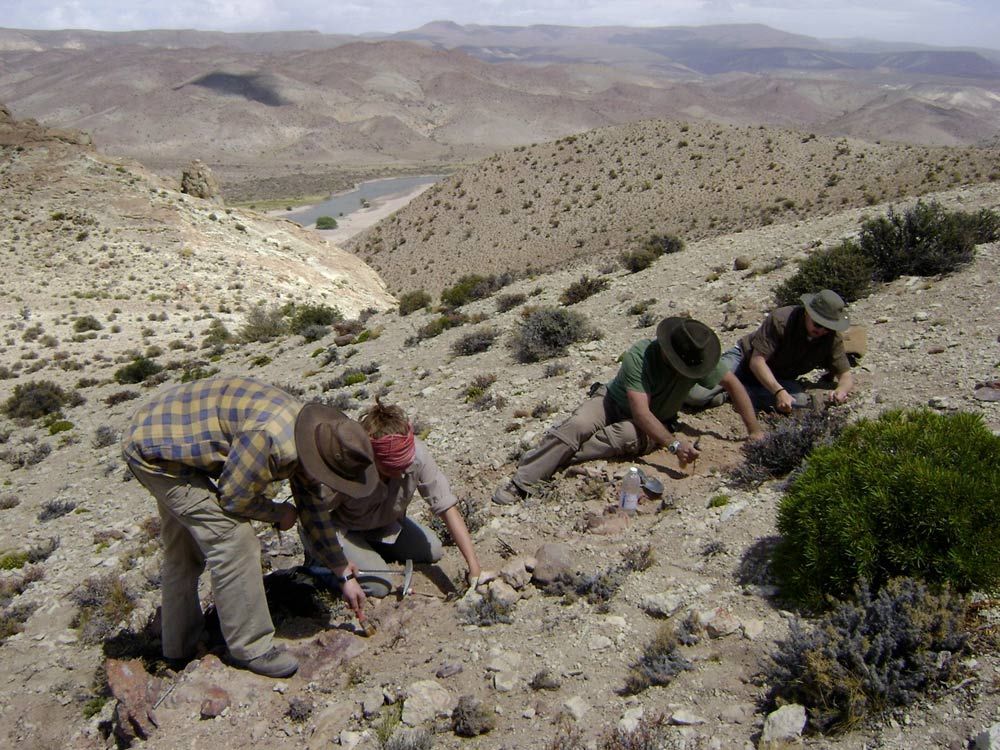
[278,103]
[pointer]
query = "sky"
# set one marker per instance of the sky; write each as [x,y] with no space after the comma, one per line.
[941,22]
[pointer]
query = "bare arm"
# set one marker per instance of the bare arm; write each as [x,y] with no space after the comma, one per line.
[845,382]
[782,398]
[742,405]
[654,429]
[460,533]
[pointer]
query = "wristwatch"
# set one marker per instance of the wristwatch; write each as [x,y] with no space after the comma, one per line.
[674,446]
[348,577]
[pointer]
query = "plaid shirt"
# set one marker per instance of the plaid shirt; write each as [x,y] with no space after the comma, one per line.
[240,432]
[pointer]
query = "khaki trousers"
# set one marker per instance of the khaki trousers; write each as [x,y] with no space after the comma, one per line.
[198,534]
[598,429]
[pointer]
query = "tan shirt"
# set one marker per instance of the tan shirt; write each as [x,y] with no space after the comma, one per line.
[390,499]
[786,347]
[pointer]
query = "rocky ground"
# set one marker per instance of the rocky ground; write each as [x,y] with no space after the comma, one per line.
[930,342]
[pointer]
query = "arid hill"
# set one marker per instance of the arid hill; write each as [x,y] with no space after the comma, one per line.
[590,196]
[84,230]
[269,113]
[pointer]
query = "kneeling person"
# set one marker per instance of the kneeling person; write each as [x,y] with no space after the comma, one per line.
[374,529]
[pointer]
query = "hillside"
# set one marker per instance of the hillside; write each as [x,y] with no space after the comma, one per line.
[930,340]
[590,196]
[87,231]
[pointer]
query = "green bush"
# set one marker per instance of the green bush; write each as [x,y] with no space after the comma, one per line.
[660,661]
[471,287]
[303,317]
[263,323]
[870,654]
[925,240]
[580,290]
[35,399]
[137,370]
[440,324]
[655,245]
[507,302]
[913,493]
[842,268]
[545,332]
[474,342]
[326,222]
[410,302]
[87,323]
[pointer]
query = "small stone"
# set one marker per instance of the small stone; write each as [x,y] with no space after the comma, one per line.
[577,707]
[936,350]
[783,726]
[516,574]
[662,605]
[504,682]
[551,561]
[719,622]
[629,721]
[682,718]
[988,739]
[921,315]
[908,344]
[350,740]
[448,669]
[425,701]
[372,702]
[600,643]
[752,629]
[280,687]
[216,701]
[503,593]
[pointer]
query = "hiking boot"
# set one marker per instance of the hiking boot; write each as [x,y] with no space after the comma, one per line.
[509,494]
[275,663]
[717,400]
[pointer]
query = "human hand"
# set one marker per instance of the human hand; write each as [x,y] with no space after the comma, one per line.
[475,580]
[354,596]
[756,436]
[836,397]
[687,453]
[289,515]
[783,401]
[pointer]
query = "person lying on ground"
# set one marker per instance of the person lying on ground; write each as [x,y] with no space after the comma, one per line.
[791,342]
[629,416]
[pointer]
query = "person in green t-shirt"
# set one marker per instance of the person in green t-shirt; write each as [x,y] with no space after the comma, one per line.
[629,416]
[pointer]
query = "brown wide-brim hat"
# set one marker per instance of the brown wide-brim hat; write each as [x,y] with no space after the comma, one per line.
[335,450]
[690,346]
[827,308]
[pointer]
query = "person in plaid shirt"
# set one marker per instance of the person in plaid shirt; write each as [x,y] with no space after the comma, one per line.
[207,451]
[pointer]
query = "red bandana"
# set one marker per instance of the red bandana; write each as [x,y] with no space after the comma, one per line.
[395,452]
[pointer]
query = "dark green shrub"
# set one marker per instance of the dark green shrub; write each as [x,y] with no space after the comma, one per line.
[545,332]
[786,444]
[507,302]
[471,287]
[913,493]
[137,371]
[87,323]
[263,323]
[638,259]
[925,240]
[580,290]
[440,324]
[303,317]
[479,385]
[842,268]
[119,397]
[410,302]
[314,333]
[660,661]
[870,654]
[474,342]
[34,400]
[326,222]
[655,245]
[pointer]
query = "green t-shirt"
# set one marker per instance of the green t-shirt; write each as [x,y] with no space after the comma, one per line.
[645,370]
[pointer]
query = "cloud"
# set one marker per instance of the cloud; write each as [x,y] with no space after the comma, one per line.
[930,21]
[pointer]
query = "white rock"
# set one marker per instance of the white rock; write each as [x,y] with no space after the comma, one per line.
[663,604]
[784,725]
[600,643]
[630,719]
[683,718]
[577,707]
[426,700]
[350,740]
[504,682]
[988,739]
[752,629]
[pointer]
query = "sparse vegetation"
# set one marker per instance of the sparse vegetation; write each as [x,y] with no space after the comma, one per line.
[786,444]
[545,332]
[580,290]
[660,661]
[136,371]
[263,323]
[470,718]
[472,287]
[104,603]
[488,611]
[55,508]
[507,302]
[37,399]
[410,302]
[844,268]
[474,342]
[876,651]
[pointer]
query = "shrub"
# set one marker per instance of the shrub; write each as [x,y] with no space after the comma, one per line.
[137,370]
[664,244]
[104,436]
[925,240]
[440,324]
[913,493]
[104,603]
[314,333]
[786,444]
[474,513]
[650,733]
[410,739]
[263,323]
[36,399]
[867,655]
[410,302]
[9,500]
[507,302]
[842,268]
[470,718]
[326,222]
[656,245]
[87,323]
[55,508]
[660,661]
[545,332]
[489,611]
[474,342]
[303,317]
[597,588]
[580,290]
[479,385]
[471,287]
[119,397]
